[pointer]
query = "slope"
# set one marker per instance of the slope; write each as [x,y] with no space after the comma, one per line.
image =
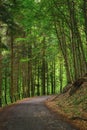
[72,104]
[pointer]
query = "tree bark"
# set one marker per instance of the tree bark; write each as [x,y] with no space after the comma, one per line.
[29,67]
[85,16]
[62,46]
[43,67]
[38,85]
[0,79]
[12,60]
[77,45]
[61,77]
[5,85]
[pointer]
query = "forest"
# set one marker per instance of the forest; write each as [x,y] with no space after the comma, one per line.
[43,47]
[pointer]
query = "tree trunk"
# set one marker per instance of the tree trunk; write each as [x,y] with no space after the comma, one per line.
[54,68]
[12,59]
[52,85]
[29,67]
[43,77]
[62,45]
[38,83]
[47,79]
[52,78]
[43,68]
[0,78]
[85,16]
[78,51]
[5,86]
[61,77]
[32,85]
[18,81]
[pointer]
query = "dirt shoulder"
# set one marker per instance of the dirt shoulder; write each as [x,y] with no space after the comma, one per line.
[73,108]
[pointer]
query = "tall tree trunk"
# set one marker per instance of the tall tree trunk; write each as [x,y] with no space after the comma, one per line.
[43,76]
[32,85]
[43,67]
[12,60]
[54,73]
[29,67]
[18,81]
[29,77]
[15,76]
[0,78]
[5,86]
[61,77]
[62,44]
[52,85]
[78,51]
[38,81]
[85,24]
[47,78]
[85,16]
[52,78]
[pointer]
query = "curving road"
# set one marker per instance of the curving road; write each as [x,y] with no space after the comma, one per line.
[31,114]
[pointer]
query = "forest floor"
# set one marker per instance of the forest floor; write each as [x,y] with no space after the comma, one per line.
[31,114]
[72,108]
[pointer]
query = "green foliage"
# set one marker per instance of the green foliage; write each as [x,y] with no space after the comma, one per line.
[38,39]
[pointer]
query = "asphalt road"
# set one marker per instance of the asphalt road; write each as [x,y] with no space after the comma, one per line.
[31,114]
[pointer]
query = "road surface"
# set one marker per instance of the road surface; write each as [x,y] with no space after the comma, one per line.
[31,114]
